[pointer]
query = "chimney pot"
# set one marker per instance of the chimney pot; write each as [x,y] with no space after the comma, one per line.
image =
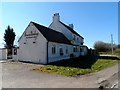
[56,17]
[71,26]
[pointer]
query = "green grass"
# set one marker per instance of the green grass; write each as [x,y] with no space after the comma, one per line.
[110,53]
[73,71]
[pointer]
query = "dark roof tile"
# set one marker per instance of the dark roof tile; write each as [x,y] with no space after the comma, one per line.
[52,35]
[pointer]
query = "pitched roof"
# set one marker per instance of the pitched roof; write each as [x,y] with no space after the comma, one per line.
[70,29]
[52,35]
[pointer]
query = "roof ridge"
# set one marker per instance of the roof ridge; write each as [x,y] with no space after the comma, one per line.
[48,28]
[50,34]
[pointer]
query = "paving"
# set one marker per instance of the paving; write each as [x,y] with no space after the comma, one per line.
[21,75]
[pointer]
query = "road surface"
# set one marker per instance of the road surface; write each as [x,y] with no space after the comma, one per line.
[20,75]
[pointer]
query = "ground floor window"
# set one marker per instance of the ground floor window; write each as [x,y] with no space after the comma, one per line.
[61,51]
[78,49]
[74,48]
[53,49]
[15,51]
[81,49]
[66,49]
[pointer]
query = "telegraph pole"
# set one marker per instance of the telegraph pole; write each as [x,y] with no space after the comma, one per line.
[112,43]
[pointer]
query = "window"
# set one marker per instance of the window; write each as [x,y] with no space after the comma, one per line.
[74,38]
[77,39]
[75,49]
[61,51]
[81,49]
[66,49]
[53,49]
[82,43]
[15,51]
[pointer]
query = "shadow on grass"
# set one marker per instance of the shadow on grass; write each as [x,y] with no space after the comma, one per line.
[80,62]
[109,57]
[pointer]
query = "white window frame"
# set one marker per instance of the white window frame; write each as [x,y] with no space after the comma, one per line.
[53,50]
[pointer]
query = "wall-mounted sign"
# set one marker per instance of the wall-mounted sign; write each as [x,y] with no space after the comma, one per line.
[31,35]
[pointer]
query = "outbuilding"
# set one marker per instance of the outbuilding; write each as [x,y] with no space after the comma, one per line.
[3,53]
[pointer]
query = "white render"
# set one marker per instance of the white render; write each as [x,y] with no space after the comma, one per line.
[34,47]
[0,54]
[33,52]
[3,54]
[56,57]
[15,56]
[84,50]
[56,25]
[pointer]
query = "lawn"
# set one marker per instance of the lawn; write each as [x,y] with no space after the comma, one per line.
[75,67]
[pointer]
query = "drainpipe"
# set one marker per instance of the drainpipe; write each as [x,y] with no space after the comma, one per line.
[47,52]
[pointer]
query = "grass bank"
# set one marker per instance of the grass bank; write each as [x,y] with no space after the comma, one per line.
[75,67]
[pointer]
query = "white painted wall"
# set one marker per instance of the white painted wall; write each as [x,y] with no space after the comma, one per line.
[0,54]
[3,53]
[15,57]
[57,56]
[33,52]
[56,25]
[60,28]
[84,50]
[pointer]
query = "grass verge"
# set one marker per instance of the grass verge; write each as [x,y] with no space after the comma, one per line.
[73,71]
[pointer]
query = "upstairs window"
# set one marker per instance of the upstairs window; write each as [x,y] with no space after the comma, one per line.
[82,43]
[77,39]
[74,38]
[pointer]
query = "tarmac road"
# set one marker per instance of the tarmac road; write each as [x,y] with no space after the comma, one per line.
[20,75]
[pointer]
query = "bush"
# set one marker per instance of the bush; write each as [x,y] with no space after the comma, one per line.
[118,46]
[103,47]
[117,50]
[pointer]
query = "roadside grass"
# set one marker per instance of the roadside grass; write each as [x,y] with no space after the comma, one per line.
[110,53]
[76,67]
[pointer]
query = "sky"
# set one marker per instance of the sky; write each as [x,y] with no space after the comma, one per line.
[95,21]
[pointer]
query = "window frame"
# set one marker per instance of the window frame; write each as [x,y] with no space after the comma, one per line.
[53,49]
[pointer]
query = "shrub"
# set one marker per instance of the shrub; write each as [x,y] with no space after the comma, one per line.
[100,46]
[117,50]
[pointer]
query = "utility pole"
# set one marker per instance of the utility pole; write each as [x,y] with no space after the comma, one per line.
[112,43]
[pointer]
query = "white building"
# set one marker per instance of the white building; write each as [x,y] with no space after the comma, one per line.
[3,53]
[40,44]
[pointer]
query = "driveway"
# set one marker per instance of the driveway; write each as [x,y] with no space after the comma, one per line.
[21,75]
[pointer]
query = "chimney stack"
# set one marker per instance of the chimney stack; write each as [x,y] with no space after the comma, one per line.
[56,17]
[71,26]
